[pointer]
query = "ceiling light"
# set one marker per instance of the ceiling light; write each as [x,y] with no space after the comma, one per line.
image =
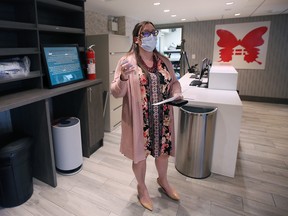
[156,3]
[166,10]
[237,14]
[183,19]
[173,15]
[229,3]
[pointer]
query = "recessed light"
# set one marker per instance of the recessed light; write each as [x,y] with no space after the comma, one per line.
[237,14]
[229,3]
[173,15]
[156,3]
[167,10]
[183,19]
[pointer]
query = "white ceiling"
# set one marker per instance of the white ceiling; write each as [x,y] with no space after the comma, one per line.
[191,10]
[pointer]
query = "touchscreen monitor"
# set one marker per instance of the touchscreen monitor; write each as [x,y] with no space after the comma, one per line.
[63,64]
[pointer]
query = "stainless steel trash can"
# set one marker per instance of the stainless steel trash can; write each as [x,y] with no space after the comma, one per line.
[195,141]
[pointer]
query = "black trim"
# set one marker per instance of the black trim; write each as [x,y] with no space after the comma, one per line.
[67,172]
[264,99]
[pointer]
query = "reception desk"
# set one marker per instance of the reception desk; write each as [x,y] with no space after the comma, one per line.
[228,122]
[223,77]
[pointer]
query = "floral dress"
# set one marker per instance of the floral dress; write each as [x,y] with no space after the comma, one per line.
[154,88]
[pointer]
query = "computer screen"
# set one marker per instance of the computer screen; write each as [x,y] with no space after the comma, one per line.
[204,67]
[209,65]
[62,63]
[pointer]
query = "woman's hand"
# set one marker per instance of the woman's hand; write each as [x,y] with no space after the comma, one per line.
[126,69]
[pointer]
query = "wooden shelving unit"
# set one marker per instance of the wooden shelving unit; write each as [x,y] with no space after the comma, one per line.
[26,104]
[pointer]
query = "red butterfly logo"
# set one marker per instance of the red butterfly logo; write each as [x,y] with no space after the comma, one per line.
[250,41]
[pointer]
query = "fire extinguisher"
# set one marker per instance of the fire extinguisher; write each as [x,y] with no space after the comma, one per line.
[91,70]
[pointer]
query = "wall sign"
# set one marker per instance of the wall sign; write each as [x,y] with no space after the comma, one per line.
[243,45]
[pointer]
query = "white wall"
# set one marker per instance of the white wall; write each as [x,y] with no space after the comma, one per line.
[167,39]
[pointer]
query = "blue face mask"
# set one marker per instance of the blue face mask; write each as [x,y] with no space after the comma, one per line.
[149,43]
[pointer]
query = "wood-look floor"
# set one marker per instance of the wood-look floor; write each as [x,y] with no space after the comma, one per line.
[106,185]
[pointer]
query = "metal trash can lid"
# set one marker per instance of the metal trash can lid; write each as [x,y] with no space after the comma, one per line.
[66,122]
[198,109]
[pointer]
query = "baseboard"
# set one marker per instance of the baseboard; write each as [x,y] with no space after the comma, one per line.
[264,99]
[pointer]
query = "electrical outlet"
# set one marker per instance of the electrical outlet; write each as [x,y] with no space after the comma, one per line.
[193,56]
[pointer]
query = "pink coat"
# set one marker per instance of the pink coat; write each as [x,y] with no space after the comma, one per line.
[132,139]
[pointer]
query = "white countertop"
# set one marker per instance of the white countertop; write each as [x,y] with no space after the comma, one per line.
[197,94]
[223,68]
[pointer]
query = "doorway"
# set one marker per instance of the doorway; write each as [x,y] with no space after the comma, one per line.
[169,44]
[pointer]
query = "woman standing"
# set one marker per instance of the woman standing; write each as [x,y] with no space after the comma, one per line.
[144,77]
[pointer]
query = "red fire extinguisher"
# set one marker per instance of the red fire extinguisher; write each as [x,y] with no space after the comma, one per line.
[91,70]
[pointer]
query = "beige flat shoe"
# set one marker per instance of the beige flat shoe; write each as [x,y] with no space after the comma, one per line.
[173,194]
[146,204]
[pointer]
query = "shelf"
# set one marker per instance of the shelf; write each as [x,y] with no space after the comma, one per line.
[22,98]
[18,51]
[26,25]
[60,5]
[17,25]
[60,29]
[32,74]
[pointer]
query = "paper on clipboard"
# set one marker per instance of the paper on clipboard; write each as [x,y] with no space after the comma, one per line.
[166,101]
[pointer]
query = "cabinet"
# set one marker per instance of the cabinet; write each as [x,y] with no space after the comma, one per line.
[26,105]
[109,49]
[94,126]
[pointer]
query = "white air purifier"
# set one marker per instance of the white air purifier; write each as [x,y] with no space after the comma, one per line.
[67,145]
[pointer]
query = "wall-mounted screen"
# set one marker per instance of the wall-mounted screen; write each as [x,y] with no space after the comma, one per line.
[63,65]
